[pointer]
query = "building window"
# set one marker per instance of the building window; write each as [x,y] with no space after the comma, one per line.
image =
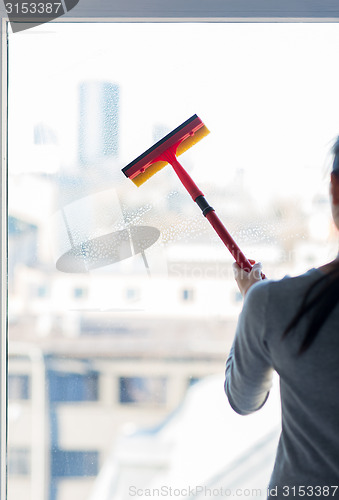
[90,326]
[79,293]
[39,291]
[74,463]
[132,294]
[142,390]
[192,381]
[19,462]
[18,387]
[42,291]
[73,387]
[187,295]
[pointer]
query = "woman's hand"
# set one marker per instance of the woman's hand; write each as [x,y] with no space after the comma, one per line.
[246,279]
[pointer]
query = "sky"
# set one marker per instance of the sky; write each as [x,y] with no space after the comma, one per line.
[267,92]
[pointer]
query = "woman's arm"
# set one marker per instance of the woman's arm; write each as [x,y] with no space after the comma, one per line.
[249,370]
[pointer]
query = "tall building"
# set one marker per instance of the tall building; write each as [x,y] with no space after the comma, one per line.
[44,135]
[98,121]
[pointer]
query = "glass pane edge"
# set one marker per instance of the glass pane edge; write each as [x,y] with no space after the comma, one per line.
[3,266]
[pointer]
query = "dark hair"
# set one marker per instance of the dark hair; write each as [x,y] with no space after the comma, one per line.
[322,296]
[335,151]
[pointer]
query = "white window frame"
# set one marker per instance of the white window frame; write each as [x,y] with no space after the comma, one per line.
[3,261]
[118,11]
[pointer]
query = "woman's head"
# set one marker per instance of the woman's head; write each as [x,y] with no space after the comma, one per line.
[323,294]
[334,187]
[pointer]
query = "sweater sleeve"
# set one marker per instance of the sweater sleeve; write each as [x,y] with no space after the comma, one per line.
[249,370]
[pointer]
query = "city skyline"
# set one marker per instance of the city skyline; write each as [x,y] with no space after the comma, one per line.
[282,122]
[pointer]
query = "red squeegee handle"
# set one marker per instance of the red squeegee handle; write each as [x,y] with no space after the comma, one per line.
[225,236]
[208,211]
[219,227]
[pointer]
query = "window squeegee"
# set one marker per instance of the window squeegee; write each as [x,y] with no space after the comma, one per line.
[166,151]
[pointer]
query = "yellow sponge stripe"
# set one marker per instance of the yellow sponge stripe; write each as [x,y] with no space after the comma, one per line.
[149,172]
[183,146]
[192,140]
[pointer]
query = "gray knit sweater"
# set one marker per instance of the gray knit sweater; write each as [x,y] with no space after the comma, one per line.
[308,450]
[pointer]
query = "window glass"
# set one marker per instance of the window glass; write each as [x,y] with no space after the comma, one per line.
[72,387]
[74,463]
[142,390]
[18,462]
[18,386]
[187,295]
[122,301]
